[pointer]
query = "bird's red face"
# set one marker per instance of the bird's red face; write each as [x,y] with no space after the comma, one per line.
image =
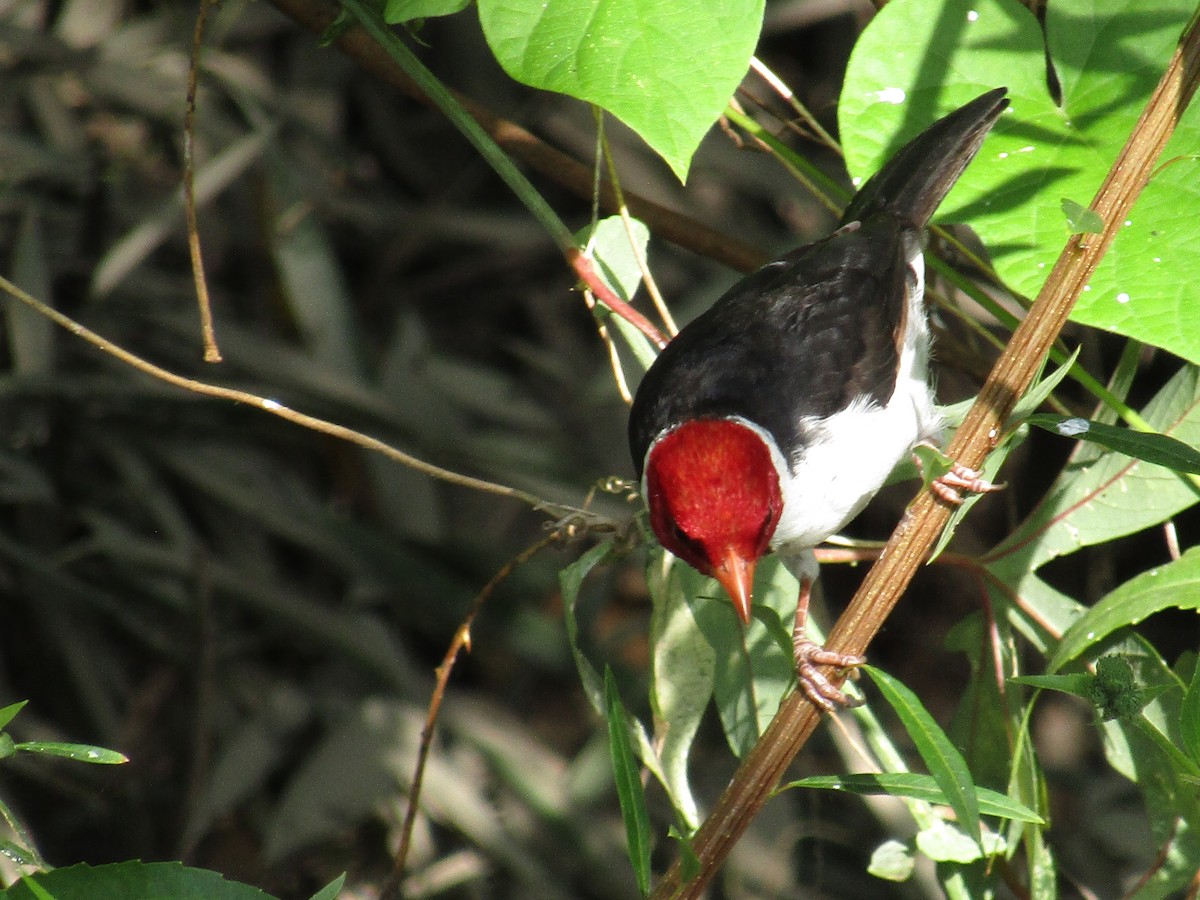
[715,500]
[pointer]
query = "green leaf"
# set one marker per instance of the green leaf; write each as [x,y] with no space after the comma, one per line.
[331,890]
[610,246]
[892,861]
[78,752]
[1189,715]
[1097,500]
[630,794]
[397,11]
[945,841]
[570,580]
[943,759]
[921,58]
[639,59]
[682,675]
[1150,447]
[752,670]
[133,881]
[8,713]
[38,891]
[917,787]
[1081,219]
[1173,586]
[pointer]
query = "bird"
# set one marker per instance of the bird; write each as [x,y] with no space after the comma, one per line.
[770,421]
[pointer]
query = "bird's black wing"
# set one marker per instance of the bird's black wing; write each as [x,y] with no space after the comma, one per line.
[803,336]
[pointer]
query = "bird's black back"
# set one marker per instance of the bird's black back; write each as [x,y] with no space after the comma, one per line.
[800,337]
[809,332]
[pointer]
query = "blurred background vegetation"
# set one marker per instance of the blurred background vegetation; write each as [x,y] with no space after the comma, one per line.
[253,612]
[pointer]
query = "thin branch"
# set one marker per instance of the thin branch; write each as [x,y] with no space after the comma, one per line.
[910,544]
[553,164]
[623,209]
[212,353]
[275,408]
[460,641]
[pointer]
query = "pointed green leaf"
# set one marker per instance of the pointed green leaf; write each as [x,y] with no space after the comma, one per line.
[916,786]
[945,762]
[570,580]
[397,11]
[627,775]
[1175,585]
[1159,449]
[639,59]
[8,713]
[331,890]
[1103,498]
[77,752]
[682,677]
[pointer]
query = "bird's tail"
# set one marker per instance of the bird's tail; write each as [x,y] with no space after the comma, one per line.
[913,183]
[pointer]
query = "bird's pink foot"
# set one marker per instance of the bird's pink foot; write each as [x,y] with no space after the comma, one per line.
[820,690]
[950,486]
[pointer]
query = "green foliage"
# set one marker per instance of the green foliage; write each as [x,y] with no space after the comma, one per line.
[664,69]
[922,57]
[299,590]
[139,881]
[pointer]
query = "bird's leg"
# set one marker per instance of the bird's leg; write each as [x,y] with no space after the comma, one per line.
[809,655]
[949,486]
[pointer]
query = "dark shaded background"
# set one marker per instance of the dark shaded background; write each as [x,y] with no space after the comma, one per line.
[253,612]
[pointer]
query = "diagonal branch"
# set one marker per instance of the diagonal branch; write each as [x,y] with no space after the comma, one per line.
[1012,375]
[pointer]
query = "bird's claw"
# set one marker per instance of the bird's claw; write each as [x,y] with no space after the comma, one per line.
[819,689]
[951,486]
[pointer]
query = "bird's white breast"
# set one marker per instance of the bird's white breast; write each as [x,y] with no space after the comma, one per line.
[852,453]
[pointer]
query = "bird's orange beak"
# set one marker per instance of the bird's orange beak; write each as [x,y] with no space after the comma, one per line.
[736,575]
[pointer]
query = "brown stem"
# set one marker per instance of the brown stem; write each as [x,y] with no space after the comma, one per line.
[212,352]
[1012,375]
[461,641]
[317,15]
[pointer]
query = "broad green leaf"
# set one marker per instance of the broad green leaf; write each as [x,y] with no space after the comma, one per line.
[682,676]
[1110,496]
[134,880]
[78,752]
[942,758]
[1175,585]
[8,713]
[917,787]
[665,69]
[627,775]
[1154,448]
[397,11]
[919,59]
